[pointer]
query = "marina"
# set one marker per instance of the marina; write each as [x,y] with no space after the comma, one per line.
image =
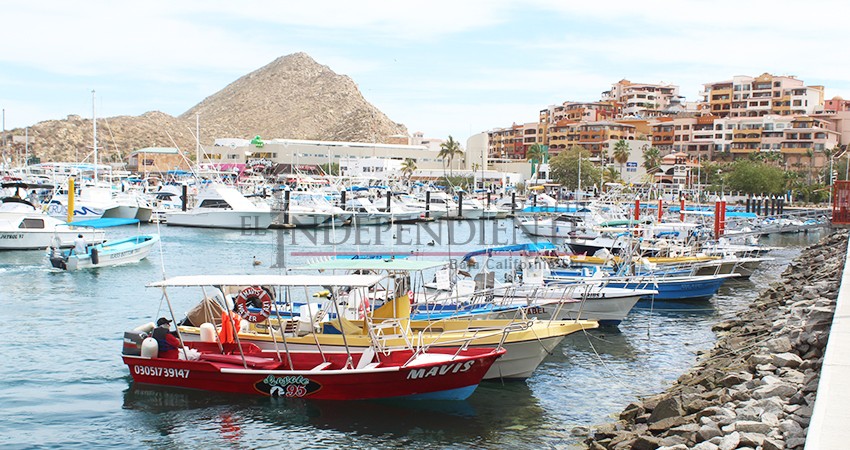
[589,375]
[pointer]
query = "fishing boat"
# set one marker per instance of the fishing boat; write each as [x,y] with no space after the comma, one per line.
[123,251]
[221,206]
[215,363]
[589,299]
[302,322]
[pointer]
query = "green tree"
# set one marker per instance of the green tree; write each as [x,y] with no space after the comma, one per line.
[755,177]
[537,155]
[448,151]
[610,175]
[621,153]
[329,168]
[811,156]
[408,166]
[652,159]
[565,168]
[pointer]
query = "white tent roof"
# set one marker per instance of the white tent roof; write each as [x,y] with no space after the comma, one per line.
[270,280]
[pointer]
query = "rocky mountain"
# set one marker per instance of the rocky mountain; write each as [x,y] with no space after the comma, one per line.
[292,97]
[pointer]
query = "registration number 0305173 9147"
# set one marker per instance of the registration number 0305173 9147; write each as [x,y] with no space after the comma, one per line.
[165,372]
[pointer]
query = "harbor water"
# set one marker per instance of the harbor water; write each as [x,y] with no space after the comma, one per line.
[63,383]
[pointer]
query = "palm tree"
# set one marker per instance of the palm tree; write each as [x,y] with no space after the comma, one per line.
[621,153]
[651,159]
[610,175]
[448,151]
[811,155]
[536,154]
[408,166]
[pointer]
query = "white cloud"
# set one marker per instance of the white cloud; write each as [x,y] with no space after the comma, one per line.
[439,66]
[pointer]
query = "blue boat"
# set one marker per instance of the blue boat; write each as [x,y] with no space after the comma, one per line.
[123,251]
[679,288]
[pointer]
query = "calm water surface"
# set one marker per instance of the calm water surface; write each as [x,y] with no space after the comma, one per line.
[64,384]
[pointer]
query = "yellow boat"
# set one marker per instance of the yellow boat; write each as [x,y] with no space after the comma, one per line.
[527,342]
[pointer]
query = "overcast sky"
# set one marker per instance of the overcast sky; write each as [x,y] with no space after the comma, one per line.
[441,67]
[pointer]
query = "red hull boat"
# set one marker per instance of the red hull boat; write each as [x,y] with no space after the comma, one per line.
[441,374]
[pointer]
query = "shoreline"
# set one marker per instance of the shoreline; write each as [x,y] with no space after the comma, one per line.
[757,386]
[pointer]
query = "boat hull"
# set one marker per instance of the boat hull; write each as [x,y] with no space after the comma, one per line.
[31,239]
[241,220]
[434,375]
[524,352]
[125,251]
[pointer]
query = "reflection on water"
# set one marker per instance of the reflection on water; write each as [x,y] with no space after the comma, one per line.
[374,423]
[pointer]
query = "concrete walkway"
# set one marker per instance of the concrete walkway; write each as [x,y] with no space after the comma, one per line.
[830,424]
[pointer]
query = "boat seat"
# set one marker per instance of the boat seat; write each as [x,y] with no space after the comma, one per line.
[253,362]
[371,365]
[321,366]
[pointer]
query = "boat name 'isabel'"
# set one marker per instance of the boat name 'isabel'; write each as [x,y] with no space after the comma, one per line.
[439,370]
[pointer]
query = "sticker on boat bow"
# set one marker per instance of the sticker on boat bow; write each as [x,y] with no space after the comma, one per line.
[293,386]
[439,370]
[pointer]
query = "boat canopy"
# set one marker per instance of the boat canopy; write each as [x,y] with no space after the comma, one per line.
[528,247]
[405,265]
[270,280]
[106,222]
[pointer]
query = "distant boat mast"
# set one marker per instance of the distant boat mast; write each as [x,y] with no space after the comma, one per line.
[94,135]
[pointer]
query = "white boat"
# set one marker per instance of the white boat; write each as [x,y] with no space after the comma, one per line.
[440,201]
[123,251]
[220,206]
[23,227]
[309,210]
[130,205]
[364,212]
[561,226]
[412,203]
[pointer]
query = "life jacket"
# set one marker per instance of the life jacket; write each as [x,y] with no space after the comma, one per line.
[160,335]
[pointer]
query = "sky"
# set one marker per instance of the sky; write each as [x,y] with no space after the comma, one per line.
[440,67]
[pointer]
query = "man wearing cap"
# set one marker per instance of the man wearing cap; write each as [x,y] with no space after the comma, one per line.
[168,343]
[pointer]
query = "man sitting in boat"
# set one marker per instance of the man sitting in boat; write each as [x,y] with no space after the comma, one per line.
[168,343]
[80,245]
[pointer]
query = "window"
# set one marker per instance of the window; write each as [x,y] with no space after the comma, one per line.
[32,223]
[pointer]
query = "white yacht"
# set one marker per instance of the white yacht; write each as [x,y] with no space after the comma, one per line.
[440,201]
[364,212]
[308,210]
[23,227]
[221,206]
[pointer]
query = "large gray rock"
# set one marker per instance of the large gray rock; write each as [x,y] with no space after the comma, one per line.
[779,345]
[735,379]
[705,446]
[669,407]
[646,443]
[747,426]
[707,432]
[773,444]
[752,439]
[730,441]
[775,390]
[786,360]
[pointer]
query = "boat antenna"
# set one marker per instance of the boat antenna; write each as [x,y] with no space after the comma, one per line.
[94,135]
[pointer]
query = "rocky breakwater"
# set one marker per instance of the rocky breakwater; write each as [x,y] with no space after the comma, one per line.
[756,388]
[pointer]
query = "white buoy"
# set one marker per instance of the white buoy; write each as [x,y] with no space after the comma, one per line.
[150,348]
[207,332]
[145,327]
[244,326]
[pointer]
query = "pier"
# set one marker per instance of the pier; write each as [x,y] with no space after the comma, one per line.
[770,382]
[831,411]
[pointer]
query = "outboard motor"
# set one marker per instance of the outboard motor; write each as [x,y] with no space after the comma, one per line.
[57,260]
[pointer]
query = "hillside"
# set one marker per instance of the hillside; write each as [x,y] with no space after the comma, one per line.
[292,97]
